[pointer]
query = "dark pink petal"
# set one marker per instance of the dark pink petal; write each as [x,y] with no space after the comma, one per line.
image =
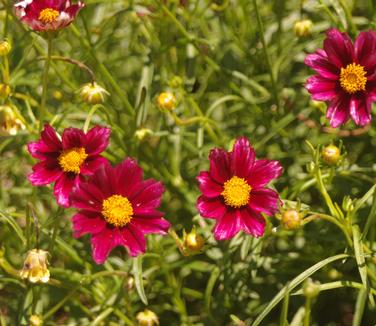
[149,196]
[365,49]
[92,164]
[211,208]
[338,111]
[263,172]
[339,48]
[73,137]
[63,188]
[322,89]
[41,151]
[220,165]
[74,9]
[127,177]
[133,239]
[252,223]
[102,243]
[50,138]
[104,180]
[147,212]
[360,110]
[88,196]
[208,186]
[87,222]
[44,174]
[322,65]
[97,140]
[228,226]
[264,200]
[242,158]
[150,225]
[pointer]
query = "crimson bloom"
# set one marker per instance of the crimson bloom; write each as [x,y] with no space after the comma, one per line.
[117,207]
[346,76]
[47,15]
[234,193]
[67,160]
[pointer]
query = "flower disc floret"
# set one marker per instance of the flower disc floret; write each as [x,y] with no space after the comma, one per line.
[72,159]
[48,15]
[236,192]
[353,78]
[117,210]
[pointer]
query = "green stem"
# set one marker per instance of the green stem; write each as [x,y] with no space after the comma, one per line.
[307,311]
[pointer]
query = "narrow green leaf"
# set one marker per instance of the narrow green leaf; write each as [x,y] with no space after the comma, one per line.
[14,225]
[139,282]
[294,283]
[359,255]
[359,307]
[360,202]
[209,288]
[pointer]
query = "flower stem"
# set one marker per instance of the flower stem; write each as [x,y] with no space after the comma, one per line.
[307,311]
[43,111]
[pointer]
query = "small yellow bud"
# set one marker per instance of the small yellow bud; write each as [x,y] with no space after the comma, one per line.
[35,320]
[303,28]
[35,267]
[166,101]
[9,123]
[311,289]
[5,48]
[291,219]
[57,95]
[92,93]
[331,154]
[192,242]
[147,318]
[142,133]
[4,91]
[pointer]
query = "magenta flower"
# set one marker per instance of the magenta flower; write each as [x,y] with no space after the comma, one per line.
[47,15]
[234,193]
[68,160]
[117,207]
[346,76]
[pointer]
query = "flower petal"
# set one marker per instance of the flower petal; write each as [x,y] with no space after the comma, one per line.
[133,239]
[263,172]
[85,222]
[88,196]
[92,164]
[360,110]
[220,168]
[149,195]
[208,186]
[252,223]
[211,208]
[150,225]
[64,187]
[73,137]
[228,226]
[264,200]
[319,62]
[322,89]
[97,140]
[365,49]
[102,243]
[338,111]
[50,138]
[339,48]
[127,177]
[242,157]
[44,173]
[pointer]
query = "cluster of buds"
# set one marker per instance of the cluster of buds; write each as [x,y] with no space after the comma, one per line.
[92,93]
[35,267]
[166,101]
[10,125]
[303,28]
[147,318]
[5,48]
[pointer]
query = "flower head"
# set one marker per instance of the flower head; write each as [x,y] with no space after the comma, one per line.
[47,15]
[234,192]
[65,161]
[10,125]
[346,76]
[35,266]
[117,207]
[92,93]
[147,318]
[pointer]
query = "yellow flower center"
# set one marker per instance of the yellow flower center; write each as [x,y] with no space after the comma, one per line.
[71,159]
[353,78]
[117,210]
[236,192]
[48,15]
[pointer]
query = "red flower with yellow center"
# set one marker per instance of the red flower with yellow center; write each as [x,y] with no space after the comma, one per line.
[47,15]
[234,192]
[67,160]
[117,207]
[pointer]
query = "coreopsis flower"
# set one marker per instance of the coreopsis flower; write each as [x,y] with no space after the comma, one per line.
[47,15]
[346,76]
[234,192]
[147,318]
[35,266]
[92,93]
[67,160]
[117,207]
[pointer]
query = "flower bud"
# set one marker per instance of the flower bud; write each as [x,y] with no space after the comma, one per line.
[92,93]
[303,28]
[166,101]
[142,133]
[291,219]
[347,204]
[176,82]
[5,48]
[35,320]
[35,267]
[4,91]
[147,318]
[9,123]
[192,242]
[311,289]
[331,154]
[310,167]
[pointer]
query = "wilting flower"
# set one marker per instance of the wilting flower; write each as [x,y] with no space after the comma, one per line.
[65,161]
[147,318]
[47,15]
[10,125]
[346,76]
[117,207]
[35,266]
[234,193]
[92,93]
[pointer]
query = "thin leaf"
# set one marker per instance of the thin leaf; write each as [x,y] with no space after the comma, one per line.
[139,282]
[209,288]
[359,256]
[14,225]
[359,307]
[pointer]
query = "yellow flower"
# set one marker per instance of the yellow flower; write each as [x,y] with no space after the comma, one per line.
[35,320]
[9,123]
[147,318]
[35,266]
[5,48]
[166,101]
[92,93]
[303,28]
[331,154]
